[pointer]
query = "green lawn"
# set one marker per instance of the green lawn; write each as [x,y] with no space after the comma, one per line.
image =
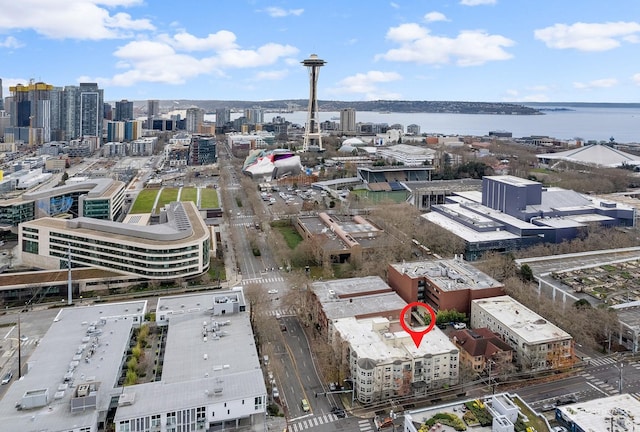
[168,195]
[189,194]
[289,233]
[209,198]
[144,201]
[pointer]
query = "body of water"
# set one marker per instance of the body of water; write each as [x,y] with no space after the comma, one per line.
[623,124]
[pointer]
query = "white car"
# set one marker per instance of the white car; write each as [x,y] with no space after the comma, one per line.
[272,291]
[459,326]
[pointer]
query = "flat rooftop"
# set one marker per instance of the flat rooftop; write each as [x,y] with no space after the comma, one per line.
[356,297]
[196,368]
[466,233]
[513,180]
[448,274]
[599,414]
[84,344]
[528,325]
[391,342]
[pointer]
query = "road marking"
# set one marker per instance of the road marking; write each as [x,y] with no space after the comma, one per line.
[9,332]
[601,391]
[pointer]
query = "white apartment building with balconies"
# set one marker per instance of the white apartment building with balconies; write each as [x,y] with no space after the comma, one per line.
[384,362]
[537,343]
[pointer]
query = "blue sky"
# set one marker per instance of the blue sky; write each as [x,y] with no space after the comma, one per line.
[474,50]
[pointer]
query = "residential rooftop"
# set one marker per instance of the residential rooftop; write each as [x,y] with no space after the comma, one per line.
[85,345]
[382,340]
[448,274]
[528,325]
[356,297]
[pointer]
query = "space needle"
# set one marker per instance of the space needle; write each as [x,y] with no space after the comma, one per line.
[312,135]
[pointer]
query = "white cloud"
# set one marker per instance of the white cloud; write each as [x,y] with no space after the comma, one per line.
[366,84]
[217,41]
[599,83]
[469,48]
[588,36]
[477,2]
[72,19]
[172,59]
[394,5]
[435,16]
[636,78]
[277,12]
[10,42]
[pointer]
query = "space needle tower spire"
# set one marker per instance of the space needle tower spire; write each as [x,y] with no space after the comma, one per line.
[312,135]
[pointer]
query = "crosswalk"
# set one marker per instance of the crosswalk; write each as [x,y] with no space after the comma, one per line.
[365,426]
[610,388]
[280,313]
[311,422]
[635,395]
[602,361]
[262,280]
[31,341]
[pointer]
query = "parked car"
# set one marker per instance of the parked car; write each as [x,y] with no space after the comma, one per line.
[7,377]
[272,291]
[459,326]
[275,393]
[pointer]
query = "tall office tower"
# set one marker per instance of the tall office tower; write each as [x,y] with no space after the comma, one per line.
[57,103]
[348,120]
[312,136]
[21,106]
[70,98]
[124,111]
[194,120]
[91,110]
[153,110]
[33,110]
[82,111]
[1,96]
[223,116]
[254,115]
[107,111]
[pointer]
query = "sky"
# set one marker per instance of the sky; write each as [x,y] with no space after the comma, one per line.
[462,50]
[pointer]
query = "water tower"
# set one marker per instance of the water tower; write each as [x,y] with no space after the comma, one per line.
[312,135]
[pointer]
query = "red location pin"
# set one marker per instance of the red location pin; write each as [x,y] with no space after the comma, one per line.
[417,335]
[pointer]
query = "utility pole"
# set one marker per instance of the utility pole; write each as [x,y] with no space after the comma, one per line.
[19,350]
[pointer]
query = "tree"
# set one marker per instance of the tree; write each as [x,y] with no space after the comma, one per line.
[526,273]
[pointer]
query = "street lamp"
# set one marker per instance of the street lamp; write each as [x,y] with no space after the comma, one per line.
[620,380]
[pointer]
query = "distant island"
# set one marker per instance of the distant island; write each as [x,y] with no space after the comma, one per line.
[396,106]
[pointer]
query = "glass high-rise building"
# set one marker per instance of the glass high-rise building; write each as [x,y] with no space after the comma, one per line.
[82,112]
[194,119]
[124,110]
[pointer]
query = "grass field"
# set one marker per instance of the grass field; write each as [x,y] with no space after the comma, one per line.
[289,233]
[189,194]
[168,195]
[208,198]
[144,201]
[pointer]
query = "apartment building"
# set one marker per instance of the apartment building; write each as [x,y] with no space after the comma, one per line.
[383,361]
[363,297]
[445,284]
[537,344]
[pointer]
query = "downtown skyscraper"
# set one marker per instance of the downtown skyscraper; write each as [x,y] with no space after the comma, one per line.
[82,111]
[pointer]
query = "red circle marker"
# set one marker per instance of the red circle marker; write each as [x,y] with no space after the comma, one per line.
[417,335]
